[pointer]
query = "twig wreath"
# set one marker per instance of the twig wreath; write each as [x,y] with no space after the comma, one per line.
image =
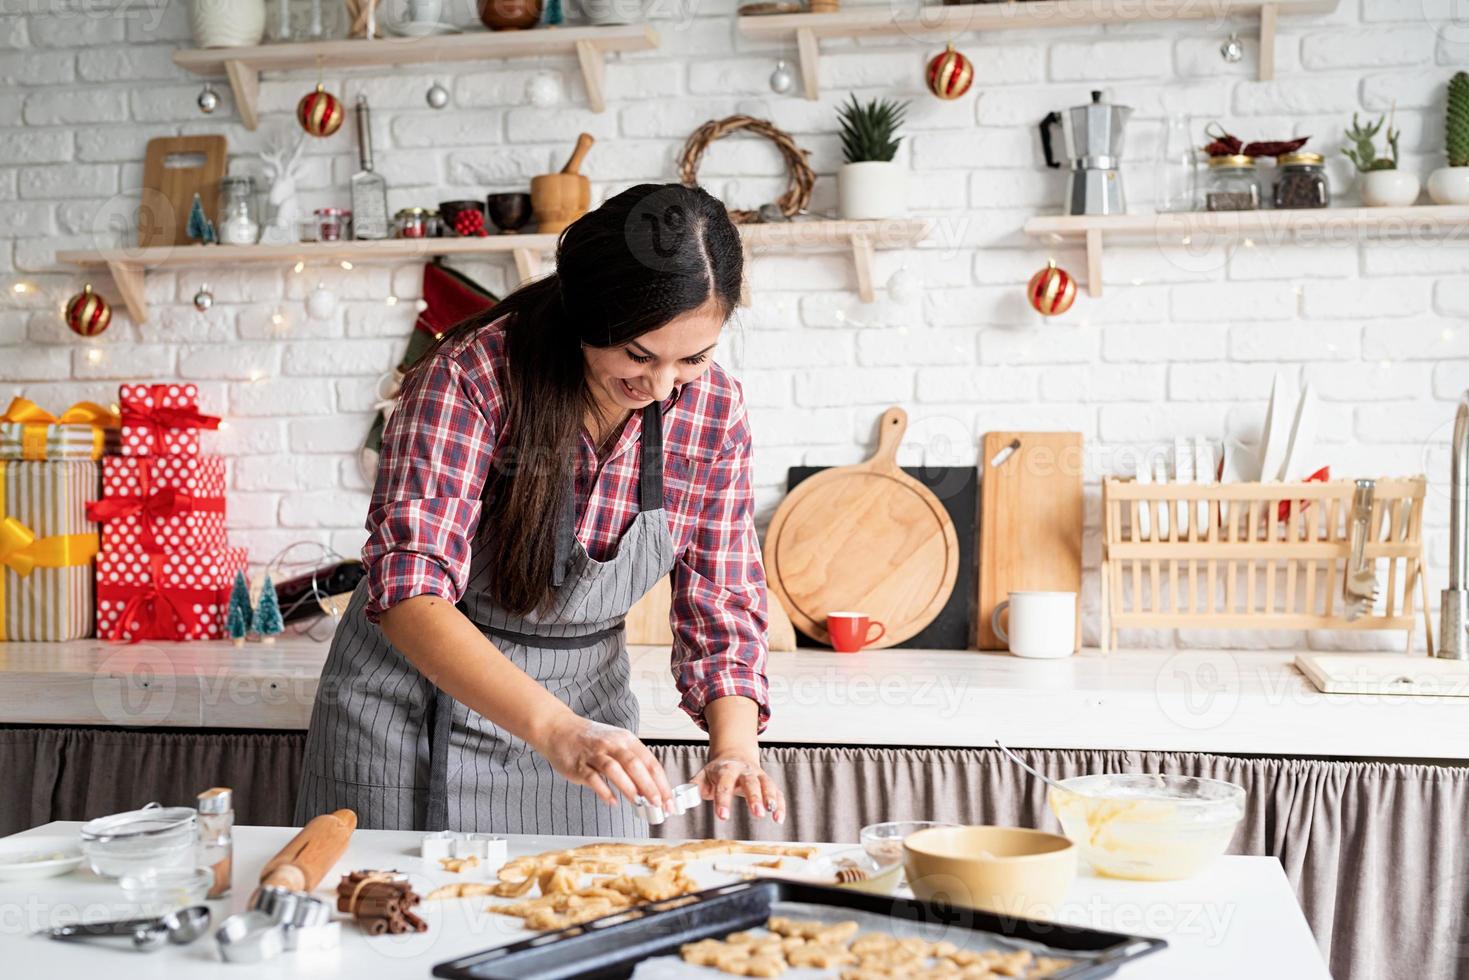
[800,175]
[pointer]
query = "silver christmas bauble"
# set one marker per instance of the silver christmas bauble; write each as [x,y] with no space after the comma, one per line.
[1232,50]
[437,96]
[781,80]
[208,100]
[203,300]
[904,286]
[543,90]
[321,303]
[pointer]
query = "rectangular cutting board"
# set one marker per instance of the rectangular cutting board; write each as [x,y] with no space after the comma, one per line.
[1030,521]
[178,167]
[957,489]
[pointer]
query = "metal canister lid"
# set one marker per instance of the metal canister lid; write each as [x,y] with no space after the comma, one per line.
[1232,160]
[412,213]
[219,799]
[1300,160]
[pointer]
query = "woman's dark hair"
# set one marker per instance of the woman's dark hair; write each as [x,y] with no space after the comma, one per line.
[645,257]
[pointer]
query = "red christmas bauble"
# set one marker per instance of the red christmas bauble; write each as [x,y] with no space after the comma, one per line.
[87,313]
[1051,291]
[320,113]
[949,74]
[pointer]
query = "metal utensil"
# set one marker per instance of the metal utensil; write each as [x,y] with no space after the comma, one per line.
[1359,581]
[369,190]
[1035,772]
[250,937]
[179,927]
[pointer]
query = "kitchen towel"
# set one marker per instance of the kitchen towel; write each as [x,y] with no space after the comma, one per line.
[147,596]
[161,504]
[84,431]
[46,549]
[162,420]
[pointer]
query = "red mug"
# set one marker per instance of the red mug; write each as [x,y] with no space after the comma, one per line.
[849,631]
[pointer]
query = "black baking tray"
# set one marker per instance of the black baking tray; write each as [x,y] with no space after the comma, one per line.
[611,947]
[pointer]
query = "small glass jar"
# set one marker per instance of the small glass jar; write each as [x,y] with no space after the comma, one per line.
[1232,184]
[333,224]
[1301,182]
[216,838]
[239,220]
[435,225]
[411,223]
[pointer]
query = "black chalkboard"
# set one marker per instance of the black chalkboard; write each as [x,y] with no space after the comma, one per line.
[957,488]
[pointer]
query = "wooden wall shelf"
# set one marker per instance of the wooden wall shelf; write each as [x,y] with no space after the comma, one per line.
[243,65]
[943,23]
[129,266]
[1199,229]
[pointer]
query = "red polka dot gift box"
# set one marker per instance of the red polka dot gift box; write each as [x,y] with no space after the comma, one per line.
[143,596]
[162,419]
[161,504]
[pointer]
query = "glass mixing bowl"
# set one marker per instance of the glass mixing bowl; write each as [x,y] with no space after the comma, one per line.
[141,840]
[1148,827]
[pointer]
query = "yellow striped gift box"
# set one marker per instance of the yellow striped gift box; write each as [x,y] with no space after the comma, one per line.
[46,549]
[84,431]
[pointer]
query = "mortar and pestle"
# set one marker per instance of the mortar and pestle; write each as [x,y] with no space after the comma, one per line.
[559,199]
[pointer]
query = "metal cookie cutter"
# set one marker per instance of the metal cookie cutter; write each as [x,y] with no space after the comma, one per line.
[685,798]
[250,937]
[312,927]
[491,849]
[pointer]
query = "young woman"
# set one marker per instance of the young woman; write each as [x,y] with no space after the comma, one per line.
[547,464]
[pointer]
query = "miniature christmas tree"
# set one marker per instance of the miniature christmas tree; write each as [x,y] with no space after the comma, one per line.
[267,622]
[554,15]
[201,229]
[237,620]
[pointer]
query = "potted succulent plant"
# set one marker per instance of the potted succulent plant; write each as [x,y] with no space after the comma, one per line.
[1382,184]
[870,184]
[1450,185]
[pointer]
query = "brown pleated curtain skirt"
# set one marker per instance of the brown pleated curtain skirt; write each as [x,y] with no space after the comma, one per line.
[1376,852]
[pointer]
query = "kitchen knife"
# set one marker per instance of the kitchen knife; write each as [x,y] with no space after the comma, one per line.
[369,190]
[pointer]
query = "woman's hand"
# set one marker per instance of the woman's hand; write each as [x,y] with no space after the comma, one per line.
[731,774]
[591,754]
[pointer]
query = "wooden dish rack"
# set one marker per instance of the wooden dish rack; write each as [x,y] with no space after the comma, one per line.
[1256,556]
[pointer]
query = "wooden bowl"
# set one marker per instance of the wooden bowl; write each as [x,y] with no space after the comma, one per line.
[559,199]
[1005,870]
[510,211]
[450,210]
[510,15]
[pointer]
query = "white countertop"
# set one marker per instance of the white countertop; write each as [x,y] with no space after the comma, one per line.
[1237,919]
[1243,702]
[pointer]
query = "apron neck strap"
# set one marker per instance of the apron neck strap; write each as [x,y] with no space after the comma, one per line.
[650,470]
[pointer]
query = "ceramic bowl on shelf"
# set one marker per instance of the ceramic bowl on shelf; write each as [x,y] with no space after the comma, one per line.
[510,15]
[1005,870]
[449,212]
[605,13]
[1148,827]
[510,211]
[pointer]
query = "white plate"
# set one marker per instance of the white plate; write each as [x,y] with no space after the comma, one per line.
[1275,436]
[409,28]
[1299,460]
[29,858]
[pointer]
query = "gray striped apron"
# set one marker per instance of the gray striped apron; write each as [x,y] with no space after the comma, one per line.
[387,743]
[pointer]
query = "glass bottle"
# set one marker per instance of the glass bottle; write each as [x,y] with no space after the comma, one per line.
[1232,184]
[1177,177]
[216,837]
[238,223]
[1301,182]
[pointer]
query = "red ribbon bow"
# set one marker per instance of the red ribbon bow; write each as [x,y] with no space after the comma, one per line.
[161,503]
[157,418]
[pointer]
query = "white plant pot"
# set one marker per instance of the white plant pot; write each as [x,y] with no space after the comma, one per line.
[872,189]
[227,23]
[605,13]
[1449,185]
[1388,188]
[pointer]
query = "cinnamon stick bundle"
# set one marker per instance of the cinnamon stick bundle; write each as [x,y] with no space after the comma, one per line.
[379,902]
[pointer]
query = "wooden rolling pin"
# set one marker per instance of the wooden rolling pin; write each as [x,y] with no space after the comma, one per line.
[303,862]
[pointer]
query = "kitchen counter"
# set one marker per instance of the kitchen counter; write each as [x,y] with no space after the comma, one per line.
[1238,702]
[1237,919]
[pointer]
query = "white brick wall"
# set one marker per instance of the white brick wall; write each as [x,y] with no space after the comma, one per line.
[1185,341]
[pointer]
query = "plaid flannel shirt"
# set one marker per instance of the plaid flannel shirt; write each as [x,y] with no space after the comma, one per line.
[440,443]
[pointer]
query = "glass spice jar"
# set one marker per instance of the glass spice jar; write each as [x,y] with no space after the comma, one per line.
[1232,184]
[1301,182]
[216,838]
[333,224]
[238,222]
[411,223]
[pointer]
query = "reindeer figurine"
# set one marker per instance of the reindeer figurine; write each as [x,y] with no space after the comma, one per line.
[281,162]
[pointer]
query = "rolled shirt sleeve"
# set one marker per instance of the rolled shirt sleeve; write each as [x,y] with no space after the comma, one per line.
[427,499]
[718,611]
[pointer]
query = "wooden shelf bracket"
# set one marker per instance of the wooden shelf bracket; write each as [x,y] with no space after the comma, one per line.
[129,279]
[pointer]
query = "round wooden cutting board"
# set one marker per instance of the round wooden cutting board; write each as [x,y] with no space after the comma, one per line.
[867,538]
